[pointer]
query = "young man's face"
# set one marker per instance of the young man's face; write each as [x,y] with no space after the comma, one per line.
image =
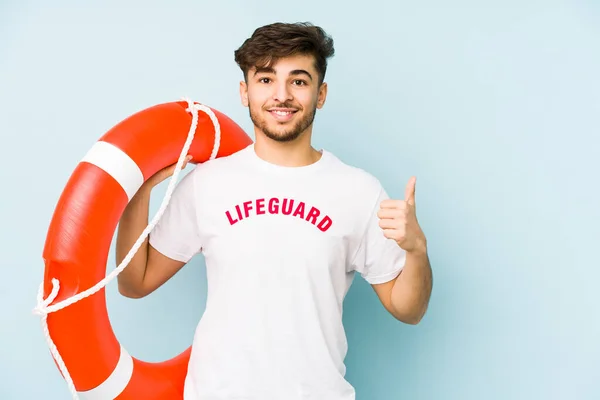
[283,99]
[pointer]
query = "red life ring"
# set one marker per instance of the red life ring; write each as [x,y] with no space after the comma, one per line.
[80,233]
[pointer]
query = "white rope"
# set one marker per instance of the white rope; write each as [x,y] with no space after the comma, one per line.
[43,307]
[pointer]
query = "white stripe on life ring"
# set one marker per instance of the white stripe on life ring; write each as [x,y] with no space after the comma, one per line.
[117,164]
[115,383]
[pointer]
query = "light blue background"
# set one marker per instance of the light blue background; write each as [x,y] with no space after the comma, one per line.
[494,106]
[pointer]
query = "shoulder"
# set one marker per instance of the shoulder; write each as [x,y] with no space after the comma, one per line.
[354,178]
[207,176]
[219,167]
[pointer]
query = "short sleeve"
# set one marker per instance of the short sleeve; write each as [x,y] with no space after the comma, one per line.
[378,259]
[176,235]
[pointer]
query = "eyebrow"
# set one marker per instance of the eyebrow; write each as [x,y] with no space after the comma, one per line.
[270,70]
[301,72]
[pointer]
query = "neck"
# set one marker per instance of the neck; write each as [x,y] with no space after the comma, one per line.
[297,153]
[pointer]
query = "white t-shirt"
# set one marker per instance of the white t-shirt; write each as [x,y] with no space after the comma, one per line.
[281,246]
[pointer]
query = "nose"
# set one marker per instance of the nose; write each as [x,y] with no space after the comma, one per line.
[281,92]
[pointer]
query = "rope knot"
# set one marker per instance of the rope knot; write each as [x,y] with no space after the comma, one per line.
[41,308]
[192,106]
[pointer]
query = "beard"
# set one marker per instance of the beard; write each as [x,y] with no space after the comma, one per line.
[280,133]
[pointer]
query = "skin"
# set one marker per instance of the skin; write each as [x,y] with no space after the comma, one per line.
[291,86]
[282,103]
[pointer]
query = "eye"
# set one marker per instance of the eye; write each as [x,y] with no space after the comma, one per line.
[264,80]
[299,82]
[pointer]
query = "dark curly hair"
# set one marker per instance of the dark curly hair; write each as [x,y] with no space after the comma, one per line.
[278,40]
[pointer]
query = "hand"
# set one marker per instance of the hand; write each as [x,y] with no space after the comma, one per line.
[165,173]
[398,220]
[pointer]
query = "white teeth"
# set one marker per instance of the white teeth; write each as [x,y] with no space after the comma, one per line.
[282,113]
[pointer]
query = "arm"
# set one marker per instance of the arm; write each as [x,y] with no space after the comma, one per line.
[407,296]
[148,268]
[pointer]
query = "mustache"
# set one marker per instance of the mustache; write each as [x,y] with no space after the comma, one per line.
[283,105]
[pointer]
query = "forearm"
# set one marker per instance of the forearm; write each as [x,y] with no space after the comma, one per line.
[412,289]
[133,221]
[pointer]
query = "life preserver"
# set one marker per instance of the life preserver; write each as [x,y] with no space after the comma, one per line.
[80,234]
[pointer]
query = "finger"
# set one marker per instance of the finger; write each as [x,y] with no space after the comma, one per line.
[183,165]
[388,233]
[389,204]
[391,212]
[409,194]
[393,234]
[389,223]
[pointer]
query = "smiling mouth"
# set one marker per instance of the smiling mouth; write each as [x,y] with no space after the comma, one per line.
[282,114]
[282,111]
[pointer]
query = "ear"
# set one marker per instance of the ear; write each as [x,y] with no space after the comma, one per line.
[322,95]
[244,93]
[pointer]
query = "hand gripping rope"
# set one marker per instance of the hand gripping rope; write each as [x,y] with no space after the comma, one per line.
[43,307]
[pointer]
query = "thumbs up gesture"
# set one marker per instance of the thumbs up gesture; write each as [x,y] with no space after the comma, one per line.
[398,219]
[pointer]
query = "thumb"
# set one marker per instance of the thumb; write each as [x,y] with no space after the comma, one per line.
[170,169]
[409,193]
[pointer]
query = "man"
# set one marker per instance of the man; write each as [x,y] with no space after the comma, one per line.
[283,227]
